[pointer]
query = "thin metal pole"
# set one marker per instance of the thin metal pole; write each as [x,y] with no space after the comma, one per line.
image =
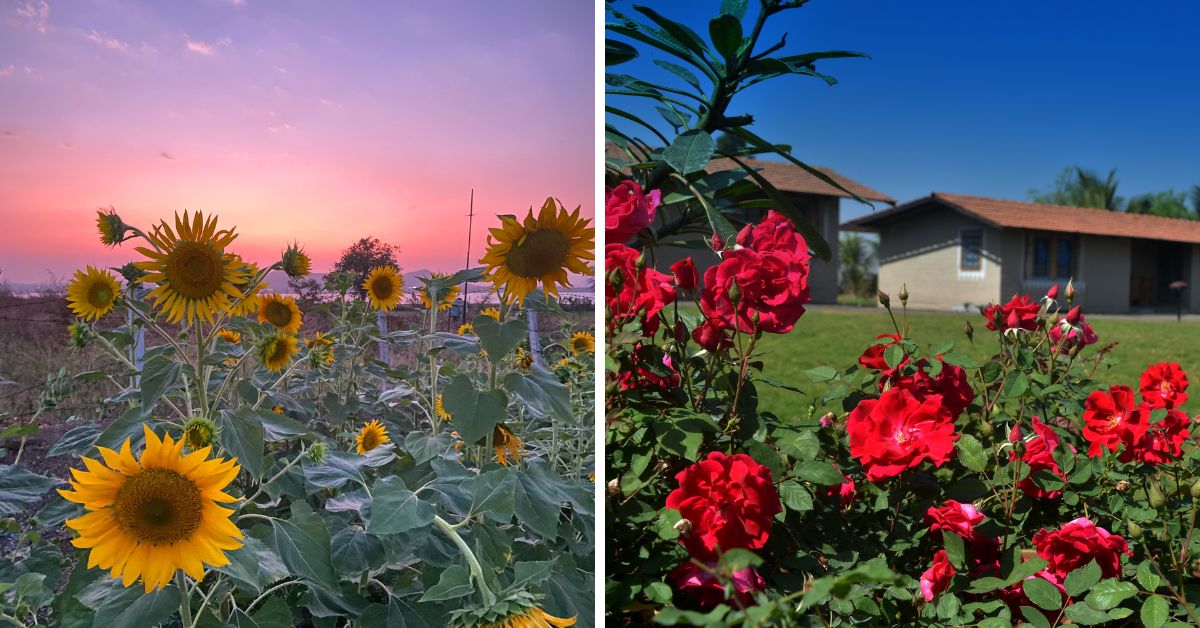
[385,349]
[467,284]
[535,340]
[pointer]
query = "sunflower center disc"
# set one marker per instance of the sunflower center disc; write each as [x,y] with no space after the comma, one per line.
[279,351]
[278,314]
[382,287]
[195,270]
[370,441]
[100,295]
[158,506]
[539,253]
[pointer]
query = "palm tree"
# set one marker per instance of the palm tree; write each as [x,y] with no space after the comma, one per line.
[856,255]
[1082,188]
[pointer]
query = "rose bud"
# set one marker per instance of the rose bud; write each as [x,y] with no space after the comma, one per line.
[1073,315]
[686,276]
[1157,499]
[1052,293]
[1135,530]
[718,243]
[1014,435]
[1070,290]
[903,294]
[884,299]
[1196,490]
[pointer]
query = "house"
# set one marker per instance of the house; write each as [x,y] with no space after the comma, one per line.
[816,200]
[958,252]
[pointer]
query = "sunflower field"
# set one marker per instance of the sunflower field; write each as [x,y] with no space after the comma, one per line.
[258,474]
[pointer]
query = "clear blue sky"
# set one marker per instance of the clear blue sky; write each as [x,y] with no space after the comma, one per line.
[981,98]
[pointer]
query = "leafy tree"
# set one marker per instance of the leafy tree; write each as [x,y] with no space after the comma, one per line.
[361,257]
[1169,203]
[1078,187]
[856,254]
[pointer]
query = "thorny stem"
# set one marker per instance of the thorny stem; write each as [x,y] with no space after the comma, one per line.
[489,598]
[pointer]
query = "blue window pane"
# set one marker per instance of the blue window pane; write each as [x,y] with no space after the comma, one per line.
[1066,255]
[1041,257]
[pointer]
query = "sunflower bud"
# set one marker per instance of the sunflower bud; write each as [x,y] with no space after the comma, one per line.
[316,453]
[112,228]
[80,334]
[132,274]
[1157,499]
[884,299]
[296,262]
[199,432]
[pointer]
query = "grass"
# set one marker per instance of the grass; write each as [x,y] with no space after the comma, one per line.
[836,337]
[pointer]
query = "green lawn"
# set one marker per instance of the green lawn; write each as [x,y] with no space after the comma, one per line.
[837,337]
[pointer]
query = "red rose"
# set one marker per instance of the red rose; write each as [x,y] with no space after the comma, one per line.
[1163,384]
[1038,456]
[772,287]
[1066,336]
[1111,419]
[1163,442]
[1019,313]
[844,492]
[775,234]
[640,293]
[956,517]
[712,336]
[937,578]
[896,432]
[628,211]
[708,592]
[873,359]
[729,501]
[950,384]
[686,276]
[642,376]
[1076,544]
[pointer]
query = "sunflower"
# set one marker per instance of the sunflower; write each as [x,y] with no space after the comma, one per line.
[198,433]
[277,409]
[244,306]
[112,228]
[445,300]
[280,311]
[466,329]
[440,409]
[276,350]
[92,294]
[320,346]
[532,617]
[230,336]
[147,518]
[523,360]
[196,277]
[372,435]
[506,443]
[540,249]
[491,312]
[384,287]
[583,342]
[295,262]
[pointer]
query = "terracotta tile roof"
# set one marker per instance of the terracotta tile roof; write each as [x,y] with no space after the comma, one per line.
[789,177]
[1045,217]
[786,176]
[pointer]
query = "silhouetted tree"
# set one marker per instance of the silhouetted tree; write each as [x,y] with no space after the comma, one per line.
[856,255]
[1170,204]
[361,257]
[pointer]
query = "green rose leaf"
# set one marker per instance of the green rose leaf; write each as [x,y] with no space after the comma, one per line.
[1042,593]
[1082,579]
[1155,611]
[971,454]
[1109,593]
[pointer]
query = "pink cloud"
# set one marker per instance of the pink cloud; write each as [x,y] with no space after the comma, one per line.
[36,12]
[205,48]
[111,43]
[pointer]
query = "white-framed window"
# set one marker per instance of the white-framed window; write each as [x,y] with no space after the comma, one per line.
[970,250]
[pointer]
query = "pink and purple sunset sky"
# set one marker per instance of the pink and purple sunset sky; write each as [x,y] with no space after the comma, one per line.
[314,121]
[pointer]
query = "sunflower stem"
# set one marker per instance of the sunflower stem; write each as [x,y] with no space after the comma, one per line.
[489,598]
[185,602]
[433,366]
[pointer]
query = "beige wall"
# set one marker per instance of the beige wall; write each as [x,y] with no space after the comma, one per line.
[1104,266]
[922,250]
